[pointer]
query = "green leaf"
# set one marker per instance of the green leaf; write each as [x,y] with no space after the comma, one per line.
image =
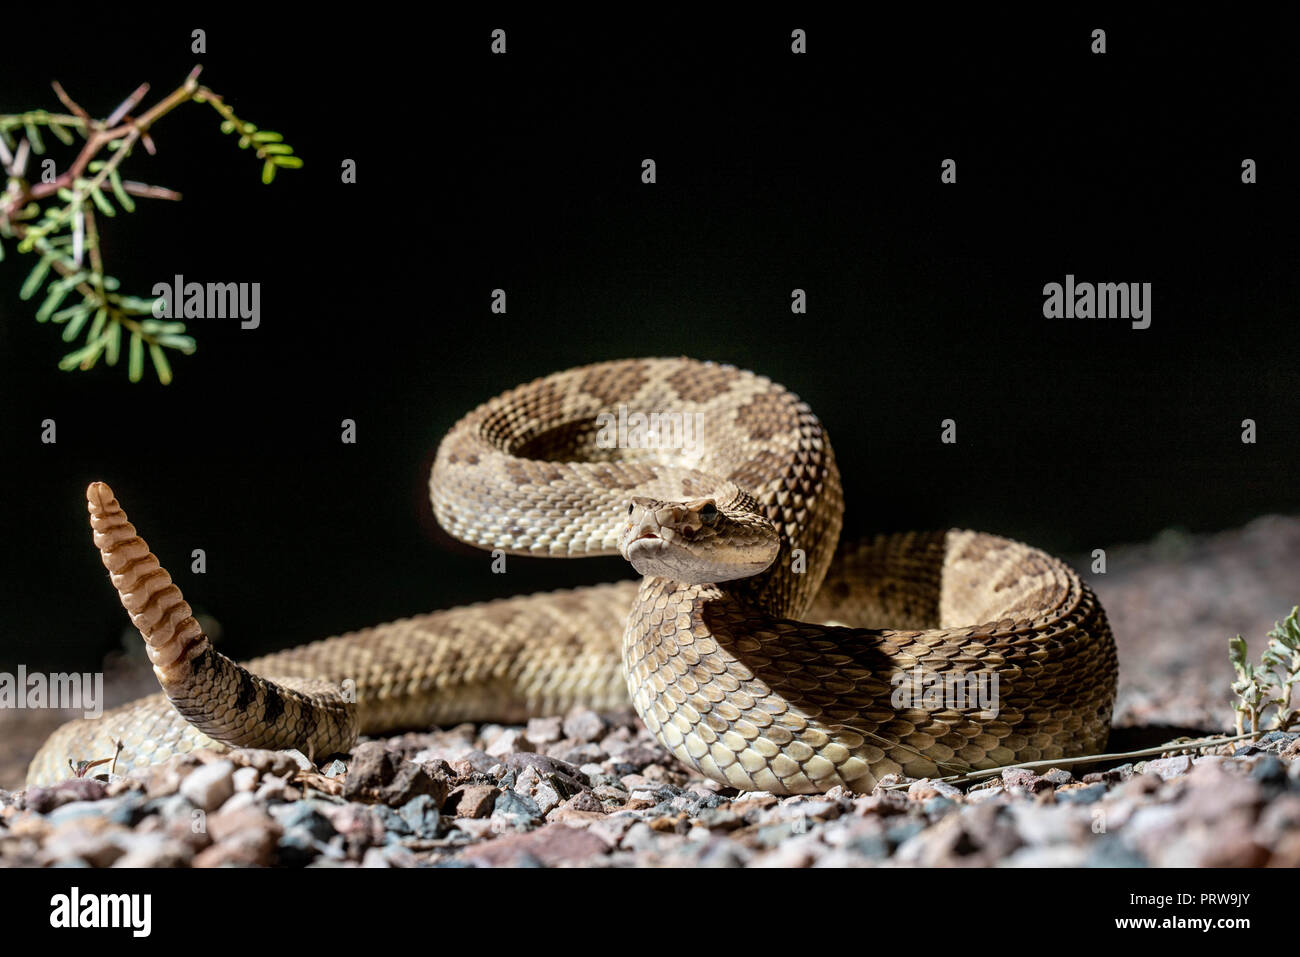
[58,291]
[277,149]
[288,162]
[64,314]
[135,364]
[78,322]
[227,127]
[87,353]
[268,172]
[183,344]
[35,278]
[1237,652]
[113,343]
[161,327]
[1288,631]
[59,130]
[123,197]
[267,136]
[34,137]
[96,327]
[137,306]
[102,202]
[160,363]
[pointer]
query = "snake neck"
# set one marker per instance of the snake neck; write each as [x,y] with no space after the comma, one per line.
[700,663]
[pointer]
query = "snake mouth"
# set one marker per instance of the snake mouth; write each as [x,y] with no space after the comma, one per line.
[644,546]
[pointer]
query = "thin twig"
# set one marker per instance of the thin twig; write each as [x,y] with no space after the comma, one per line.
[1088,759]
[71,104]
[149,192]
[127,105]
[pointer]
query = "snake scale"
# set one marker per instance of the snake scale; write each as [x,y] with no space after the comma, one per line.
[720,646]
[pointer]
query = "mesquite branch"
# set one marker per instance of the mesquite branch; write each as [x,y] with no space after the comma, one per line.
[55,217]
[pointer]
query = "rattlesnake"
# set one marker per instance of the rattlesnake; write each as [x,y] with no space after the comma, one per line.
[718,646]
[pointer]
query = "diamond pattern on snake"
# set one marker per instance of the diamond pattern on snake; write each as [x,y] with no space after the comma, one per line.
[759,650]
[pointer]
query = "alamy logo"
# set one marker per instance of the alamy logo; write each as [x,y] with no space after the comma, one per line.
[214,300]
[103,910]
[83,692]
[929,691]
[648,430]
[1103,300]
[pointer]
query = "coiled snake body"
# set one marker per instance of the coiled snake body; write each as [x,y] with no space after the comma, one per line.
[730,504]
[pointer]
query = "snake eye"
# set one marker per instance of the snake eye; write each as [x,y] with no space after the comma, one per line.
[631,507]
[709,513]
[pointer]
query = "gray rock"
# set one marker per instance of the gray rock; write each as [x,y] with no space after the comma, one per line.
[1280,739]
[173,807]
[1169,768]
[44,800]
[480,761]
[938,806]
[1058,777]
[422,817]
[517,810]
[1049,823]
[153,850]
[583,725]
[1022,779]
[228,822]
[548,765]
[300,760]
[1269,770]
[544,730]
[904,831]
[926,788]
[299,847]
[509,742]
[549,846]
[374,857]
[76,810]
[265,761]
[1113,776]
[1056,855]
[378,774]
[251,847]
[1084,795]
[208,786]
[245,779]
[394,825]
[96,850]
[984,794]
[127,810]
[1110,851]
[581,754]
[301,815]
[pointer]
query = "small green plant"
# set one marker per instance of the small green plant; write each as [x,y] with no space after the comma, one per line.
[54,218]
[1270,684]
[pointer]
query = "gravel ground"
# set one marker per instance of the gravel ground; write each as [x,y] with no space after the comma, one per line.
[596,790]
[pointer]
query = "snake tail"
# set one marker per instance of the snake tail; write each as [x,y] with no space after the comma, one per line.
[220,698]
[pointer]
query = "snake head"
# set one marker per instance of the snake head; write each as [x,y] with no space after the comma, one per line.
[697,542]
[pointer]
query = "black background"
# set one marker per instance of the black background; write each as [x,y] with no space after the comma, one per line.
[775,171]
